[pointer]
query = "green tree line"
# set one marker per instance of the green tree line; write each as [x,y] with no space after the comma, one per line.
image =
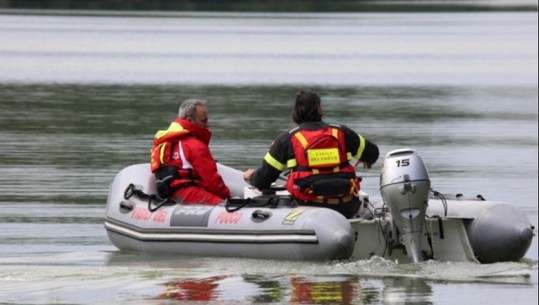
[267,5]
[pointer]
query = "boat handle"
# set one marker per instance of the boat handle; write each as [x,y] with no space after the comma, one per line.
[125,205]
[259,215]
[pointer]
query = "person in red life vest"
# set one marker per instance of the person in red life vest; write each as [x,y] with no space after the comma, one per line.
[317,155]
[182,162]
[205,289]
[343,290]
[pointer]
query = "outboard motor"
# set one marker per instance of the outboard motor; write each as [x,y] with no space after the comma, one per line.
[405,188]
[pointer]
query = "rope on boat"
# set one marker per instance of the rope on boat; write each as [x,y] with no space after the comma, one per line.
[442,198]
[154,202]
[231,205]
[272,201]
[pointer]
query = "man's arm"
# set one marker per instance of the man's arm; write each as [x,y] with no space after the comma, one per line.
[361,148]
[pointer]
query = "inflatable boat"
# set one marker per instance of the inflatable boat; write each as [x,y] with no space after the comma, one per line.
[409,222]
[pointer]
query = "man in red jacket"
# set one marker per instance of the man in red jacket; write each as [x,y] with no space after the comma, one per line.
[182,162]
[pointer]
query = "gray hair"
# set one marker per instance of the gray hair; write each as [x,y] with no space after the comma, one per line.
[189,107]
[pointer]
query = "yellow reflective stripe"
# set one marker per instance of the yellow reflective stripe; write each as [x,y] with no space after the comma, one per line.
[361,147]
[335,132]
[291,163]
[348,155]
[273,162]
[160,133]
[162,153]
[174,127]
[301,139]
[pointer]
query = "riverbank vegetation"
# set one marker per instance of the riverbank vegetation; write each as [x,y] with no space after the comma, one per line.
[271,5]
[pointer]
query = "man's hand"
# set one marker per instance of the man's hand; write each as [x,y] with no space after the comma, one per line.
[248,174]
[365,165]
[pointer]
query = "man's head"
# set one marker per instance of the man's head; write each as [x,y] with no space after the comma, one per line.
[194,111]
[308,107]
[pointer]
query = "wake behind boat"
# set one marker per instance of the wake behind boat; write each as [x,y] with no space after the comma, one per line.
[410,222]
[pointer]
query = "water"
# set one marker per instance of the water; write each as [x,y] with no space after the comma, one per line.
[80,98]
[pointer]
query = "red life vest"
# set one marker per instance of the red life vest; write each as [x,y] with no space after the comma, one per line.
[322,168]
[162,154]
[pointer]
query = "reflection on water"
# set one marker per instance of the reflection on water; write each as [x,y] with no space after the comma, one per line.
[402,290]
[129,278]
[230,281]
[338,289]
[192,289]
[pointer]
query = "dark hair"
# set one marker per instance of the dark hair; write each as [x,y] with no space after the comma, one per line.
[307,108]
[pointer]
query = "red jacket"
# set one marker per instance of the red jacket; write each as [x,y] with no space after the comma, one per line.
[185,146]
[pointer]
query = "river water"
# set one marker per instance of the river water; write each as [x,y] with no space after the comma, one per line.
[82,96]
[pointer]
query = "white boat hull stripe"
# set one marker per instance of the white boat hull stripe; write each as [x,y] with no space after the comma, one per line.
[247,237]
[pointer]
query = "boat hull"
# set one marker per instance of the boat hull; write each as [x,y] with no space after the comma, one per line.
[282,232]
[456,229]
